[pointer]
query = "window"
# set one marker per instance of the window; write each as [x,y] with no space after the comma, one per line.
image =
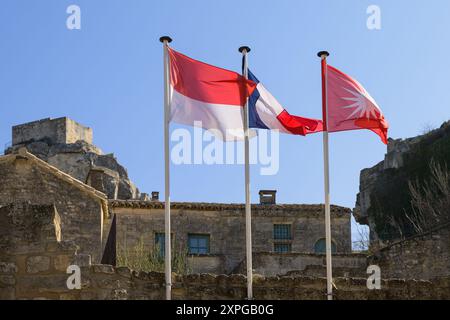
[198,243]
[160,243]
[282,237]
[282,247]
[320,246]
[282,232]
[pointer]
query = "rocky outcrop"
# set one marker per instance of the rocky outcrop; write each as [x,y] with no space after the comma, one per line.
[79,160]
[383,196]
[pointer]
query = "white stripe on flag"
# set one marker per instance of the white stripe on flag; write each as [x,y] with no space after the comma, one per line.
[268,108]
[227,119]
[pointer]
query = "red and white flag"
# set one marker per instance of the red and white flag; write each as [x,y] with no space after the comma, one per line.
[350,106]
[208,96]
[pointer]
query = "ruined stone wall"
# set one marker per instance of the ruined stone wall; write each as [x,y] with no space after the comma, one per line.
[271,264]
[61,130]
[81,214]
[421,257]
[32,256]
[227,229]
[33,260]
[102,282]
[212,263]
[76,132]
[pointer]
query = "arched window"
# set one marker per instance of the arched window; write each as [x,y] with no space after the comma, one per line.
[320,246]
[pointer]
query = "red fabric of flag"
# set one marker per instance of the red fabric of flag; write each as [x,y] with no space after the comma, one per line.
[351,107]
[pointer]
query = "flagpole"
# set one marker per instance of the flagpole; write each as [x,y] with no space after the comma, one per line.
[167,249]
[248,215]
[323,55]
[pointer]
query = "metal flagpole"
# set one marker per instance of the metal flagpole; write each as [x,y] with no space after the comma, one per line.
[248,214]
[167,249]
[323,55]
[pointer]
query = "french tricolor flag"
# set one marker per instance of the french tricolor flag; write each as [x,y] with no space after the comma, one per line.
[208,96]
[265,112]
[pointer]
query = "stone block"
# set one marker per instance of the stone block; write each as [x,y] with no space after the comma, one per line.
[124,272]
[37,285]
[7,293]
[8,267]
[103,268]
[82,260]
[119,294]
[61,262]
[68,296]
[38,264]
[7,280]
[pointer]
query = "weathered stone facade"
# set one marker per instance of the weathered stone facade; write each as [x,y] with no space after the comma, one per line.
[224,224]
[33,262]
[55,131]
[272,264]
[25,178]
[425,256]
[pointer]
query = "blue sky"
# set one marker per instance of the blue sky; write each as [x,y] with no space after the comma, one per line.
[108,76]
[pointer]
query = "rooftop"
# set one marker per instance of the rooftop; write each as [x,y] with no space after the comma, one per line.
[207,206]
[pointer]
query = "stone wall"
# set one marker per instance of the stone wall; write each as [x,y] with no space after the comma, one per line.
[103,282]
[34,259]
[60,130]
[32,255]
[81,214]
[272,264]
[106,282]
[425,256]
[225,224]
[214,264]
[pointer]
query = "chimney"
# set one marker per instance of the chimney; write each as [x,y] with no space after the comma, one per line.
[267,196]
[155,195]
[144,196]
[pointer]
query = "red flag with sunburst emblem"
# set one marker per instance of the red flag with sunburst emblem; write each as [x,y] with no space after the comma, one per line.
[351,107]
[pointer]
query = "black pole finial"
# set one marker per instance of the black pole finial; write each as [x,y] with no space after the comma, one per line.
[323,53]
[247,49]
[165,38]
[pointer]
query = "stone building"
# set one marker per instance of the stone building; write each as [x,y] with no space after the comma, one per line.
[214,233]
[82,209]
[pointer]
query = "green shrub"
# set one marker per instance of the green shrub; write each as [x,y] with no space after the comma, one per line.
[140,258]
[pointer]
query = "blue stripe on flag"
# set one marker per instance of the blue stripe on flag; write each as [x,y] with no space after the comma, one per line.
[254,121]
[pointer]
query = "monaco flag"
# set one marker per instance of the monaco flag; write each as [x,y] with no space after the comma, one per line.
[350,106]
[265,112]
[208,96]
